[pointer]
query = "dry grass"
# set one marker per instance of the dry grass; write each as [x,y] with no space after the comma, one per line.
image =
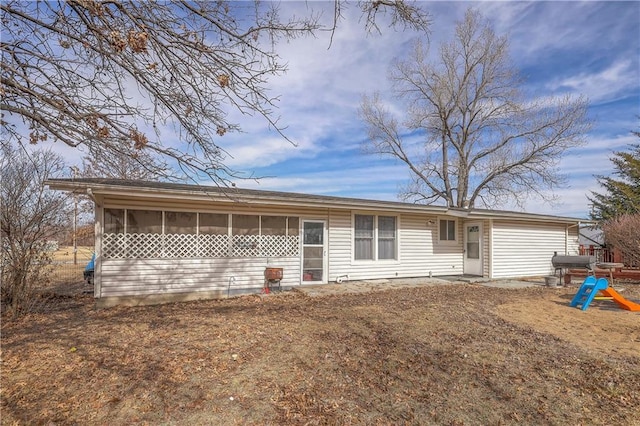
[432,355]
[63,270]
[65,254]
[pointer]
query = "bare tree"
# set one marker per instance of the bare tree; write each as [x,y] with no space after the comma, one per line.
[480,141]
[30,217]
[111,74]
[129,164]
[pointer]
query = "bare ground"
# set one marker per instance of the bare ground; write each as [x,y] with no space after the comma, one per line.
[457,354]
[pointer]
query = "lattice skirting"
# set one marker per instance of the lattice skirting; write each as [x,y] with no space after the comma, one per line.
[144,246]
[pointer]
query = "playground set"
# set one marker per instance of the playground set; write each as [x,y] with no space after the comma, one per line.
[592,286]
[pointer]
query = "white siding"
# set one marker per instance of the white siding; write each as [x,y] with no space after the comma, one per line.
[525,249]
[138,277]
[486,248]
[510,248]
[573,244]
[419,253]
[141,277]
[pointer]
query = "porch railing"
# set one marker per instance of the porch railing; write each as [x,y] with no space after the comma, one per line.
[603,254]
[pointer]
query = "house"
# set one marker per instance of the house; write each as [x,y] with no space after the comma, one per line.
[165,241]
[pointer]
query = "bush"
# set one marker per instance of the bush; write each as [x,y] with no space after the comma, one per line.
[623,233]
[30,218]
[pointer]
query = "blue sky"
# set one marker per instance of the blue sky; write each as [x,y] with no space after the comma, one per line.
[589,48]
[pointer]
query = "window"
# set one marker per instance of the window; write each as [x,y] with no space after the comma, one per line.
[245,234]
[386,237]
[293,226]
[113,221]
[447,230]
[214,224]
[363,249]
[113,237]
[246,224]
[180,223]
[144,222]
[375,237]
[273,225]
[313,233]
[473,242]
[173,234]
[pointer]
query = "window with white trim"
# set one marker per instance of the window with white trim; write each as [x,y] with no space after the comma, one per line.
[375,237]
[448,230]
[363,247]
[386,237]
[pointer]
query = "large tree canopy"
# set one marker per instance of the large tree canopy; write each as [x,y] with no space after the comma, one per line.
[622,195]
[113,75]
[469,135]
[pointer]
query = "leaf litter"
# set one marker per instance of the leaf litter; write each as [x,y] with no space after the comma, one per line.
[459,354]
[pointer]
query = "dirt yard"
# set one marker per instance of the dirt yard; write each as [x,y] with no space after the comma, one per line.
[454,354]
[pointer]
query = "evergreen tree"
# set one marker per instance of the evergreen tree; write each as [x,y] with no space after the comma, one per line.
[621,196]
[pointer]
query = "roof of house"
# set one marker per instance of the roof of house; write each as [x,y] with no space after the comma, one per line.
[145,189]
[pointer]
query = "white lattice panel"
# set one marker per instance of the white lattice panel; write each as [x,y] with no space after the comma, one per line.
[213,245]
[293,246]
[245,245]
[278,245]
[143,246]
[113,246]
[180,245]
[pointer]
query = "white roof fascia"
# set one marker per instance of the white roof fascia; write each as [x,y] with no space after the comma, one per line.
[101,189]
[249,199]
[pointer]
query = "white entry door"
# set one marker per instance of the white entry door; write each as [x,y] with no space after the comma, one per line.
[473,248]
[314,264]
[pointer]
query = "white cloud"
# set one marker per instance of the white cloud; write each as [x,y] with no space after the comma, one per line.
[267,151]
[380,181]
[576,47]
[605,85]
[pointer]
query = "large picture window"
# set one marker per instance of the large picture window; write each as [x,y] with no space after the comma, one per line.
[375,237]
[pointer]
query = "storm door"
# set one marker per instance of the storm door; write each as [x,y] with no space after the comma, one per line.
[473,249]
[313,252]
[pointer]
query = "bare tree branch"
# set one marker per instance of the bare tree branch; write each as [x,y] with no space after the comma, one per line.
[115,74]
[484,144]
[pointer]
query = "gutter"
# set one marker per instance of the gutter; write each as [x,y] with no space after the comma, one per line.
[299,200]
